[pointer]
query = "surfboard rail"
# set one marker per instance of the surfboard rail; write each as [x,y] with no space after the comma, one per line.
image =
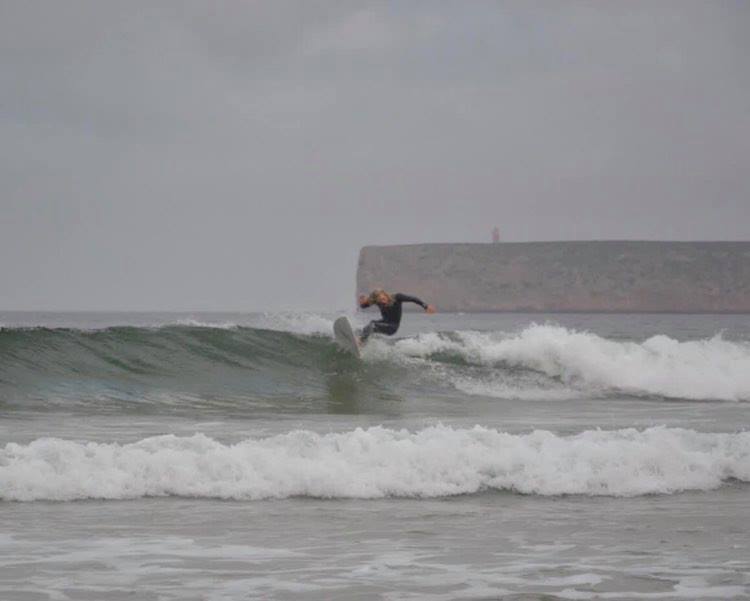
[345,337]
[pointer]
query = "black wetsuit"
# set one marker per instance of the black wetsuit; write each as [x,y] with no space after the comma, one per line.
[391,316]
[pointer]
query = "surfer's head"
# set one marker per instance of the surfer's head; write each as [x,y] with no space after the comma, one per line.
[380,297]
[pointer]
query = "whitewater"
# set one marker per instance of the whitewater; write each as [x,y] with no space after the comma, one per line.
[377,462]
[224,456]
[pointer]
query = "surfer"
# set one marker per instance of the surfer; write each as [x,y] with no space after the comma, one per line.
[390,311]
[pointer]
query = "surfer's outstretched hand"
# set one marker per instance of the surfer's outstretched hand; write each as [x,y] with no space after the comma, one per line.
[430,309]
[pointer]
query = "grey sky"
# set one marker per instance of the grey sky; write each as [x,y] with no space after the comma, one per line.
[236,155]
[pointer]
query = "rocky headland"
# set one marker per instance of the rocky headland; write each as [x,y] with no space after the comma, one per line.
[593,276]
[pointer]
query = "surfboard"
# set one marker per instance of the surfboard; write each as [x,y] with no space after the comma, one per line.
[342,331]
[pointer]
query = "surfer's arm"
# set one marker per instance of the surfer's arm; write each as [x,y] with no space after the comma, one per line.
[405,298]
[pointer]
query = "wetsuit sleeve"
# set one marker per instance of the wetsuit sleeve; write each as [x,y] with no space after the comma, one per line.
[405,298]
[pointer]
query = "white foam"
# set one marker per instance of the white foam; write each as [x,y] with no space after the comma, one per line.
[713,368]
[298,323]
[377,462]
[194,323]
[294,322]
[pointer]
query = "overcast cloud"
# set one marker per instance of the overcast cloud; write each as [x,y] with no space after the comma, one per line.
[236,155]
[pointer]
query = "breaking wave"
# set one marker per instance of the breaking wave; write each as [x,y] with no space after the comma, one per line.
[377,462]
[711,369]
[296,354]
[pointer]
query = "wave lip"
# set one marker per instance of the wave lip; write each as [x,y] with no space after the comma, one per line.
[709,369]
[375,463]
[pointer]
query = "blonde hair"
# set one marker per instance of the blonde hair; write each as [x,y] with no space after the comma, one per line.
[373,298]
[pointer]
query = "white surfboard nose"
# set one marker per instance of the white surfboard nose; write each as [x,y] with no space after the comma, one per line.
[344,335]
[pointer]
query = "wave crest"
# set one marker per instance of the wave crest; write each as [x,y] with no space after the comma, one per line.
[540,362]
[377,462]
[714,368]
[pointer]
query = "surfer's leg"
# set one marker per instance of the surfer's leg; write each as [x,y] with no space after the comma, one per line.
[378,326]
[366,331]
[388,328]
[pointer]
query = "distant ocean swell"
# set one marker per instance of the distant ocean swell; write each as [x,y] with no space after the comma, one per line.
[539,362]
[375,463]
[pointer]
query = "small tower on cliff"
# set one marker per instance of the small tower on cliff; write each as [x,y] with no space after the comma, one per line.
[495,235]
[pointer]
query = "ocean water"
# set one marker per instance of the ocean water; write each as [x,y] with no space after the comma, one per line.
[243,456]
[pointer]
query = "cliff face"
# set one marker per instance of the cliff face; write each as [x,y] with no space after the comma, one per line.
[566,276]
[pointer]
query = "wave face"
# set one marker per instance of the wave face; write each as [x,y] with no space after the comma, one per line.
[163,351]
[176,366]
[375,463]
